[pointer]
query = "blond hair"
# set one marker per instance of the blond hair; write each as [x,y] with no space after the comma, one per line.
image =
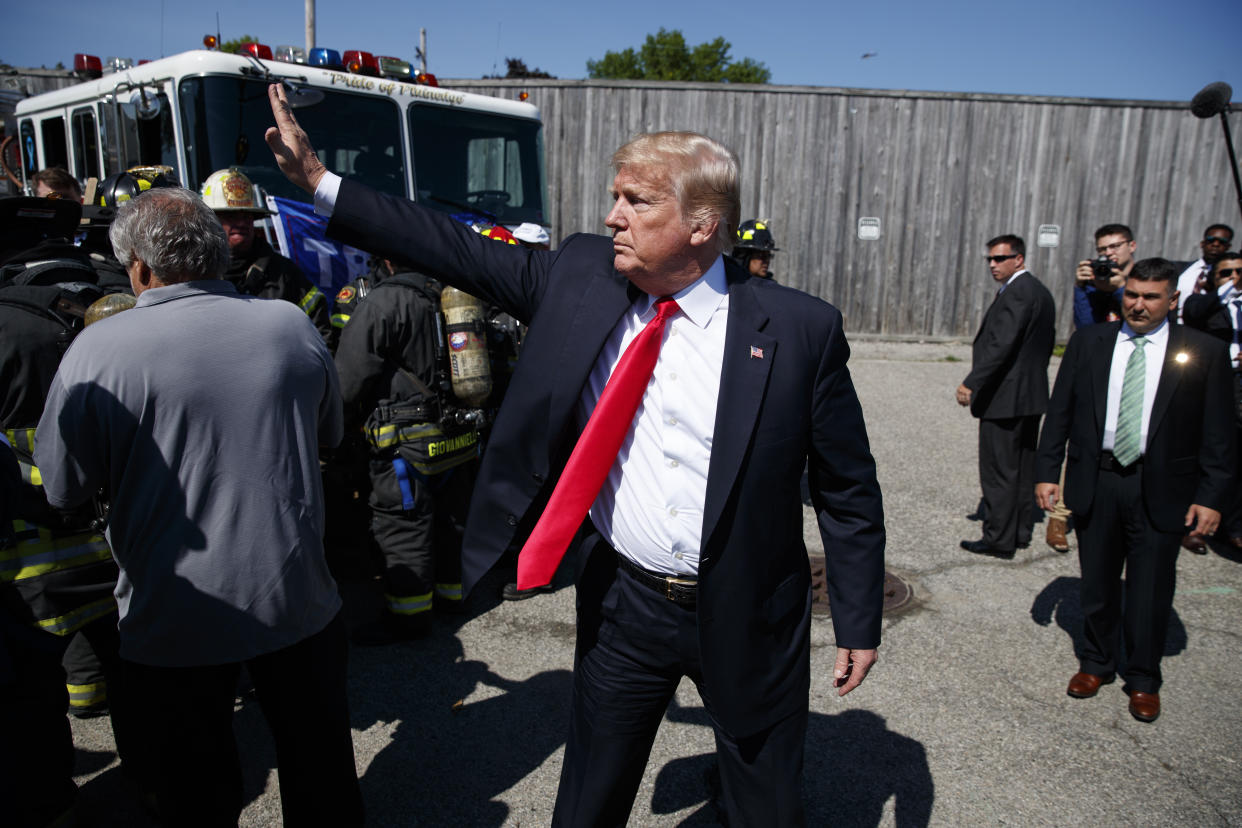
[703,172]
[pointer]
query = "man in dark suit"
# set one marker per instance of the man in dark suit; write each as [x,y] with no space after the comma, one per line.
[1144,406]
[695,563]
[1007,390]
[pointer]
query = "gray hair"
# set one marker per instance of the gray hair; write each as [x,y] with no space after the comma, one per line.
[703,172]
[173,232]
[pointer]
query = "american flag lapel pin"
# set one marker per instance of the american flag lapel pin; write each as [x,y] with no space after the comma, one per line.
[756,353]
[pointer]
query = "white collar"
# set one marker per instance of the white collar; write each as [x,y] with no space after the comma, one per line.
[699,300]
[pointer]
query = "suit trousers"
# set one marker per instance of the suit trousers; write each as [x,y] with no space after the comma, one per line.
[1007,477]
[1117,535]
[184,719]
[634,647]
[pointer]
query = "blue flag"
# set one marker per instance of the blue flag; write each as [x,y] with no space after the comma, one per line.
[328,264]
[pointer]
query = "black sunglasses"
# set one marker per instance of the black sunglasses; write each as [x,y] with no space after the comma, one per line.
[1228,271]
[1217,240]
[1000,258]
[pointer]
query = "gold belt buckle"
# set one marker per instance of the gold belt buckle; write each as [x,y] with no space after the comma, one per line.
[671,581]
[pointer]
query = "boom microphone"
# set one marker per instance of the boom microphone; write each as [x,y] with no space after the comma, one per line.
[1212,99]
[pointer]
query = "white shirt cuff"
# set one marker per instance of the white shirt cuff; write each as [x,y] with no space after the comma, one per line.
[325,194]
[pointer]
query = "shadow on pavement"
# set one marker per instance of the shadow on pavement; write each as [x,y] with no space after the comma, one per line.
[854,765]
[1060,600]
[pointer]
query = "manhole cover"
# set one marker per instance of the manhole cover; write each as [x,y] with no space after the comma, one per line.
[897,592]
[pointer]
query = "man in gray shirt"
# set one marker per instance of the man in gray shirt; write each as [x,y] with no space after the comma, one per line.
[199,413]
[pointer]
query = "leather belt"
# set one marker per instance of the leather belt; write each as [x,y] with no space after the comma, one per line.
[681,591]
[1109,462]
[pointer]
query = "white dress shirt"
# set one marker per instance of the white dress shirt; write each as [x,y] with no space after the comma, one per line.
[1009,281]
[650,508]
[1153,352]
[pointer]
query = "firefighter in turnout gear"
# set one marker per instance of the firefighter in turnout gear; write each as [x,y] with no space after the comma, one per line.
[57,575]
[254,267]
[754,247]
[423,446]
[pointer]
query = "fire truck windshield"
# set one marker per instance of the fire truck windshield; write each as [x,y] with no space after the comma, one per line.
[357,136]
[471,161]
[464,160]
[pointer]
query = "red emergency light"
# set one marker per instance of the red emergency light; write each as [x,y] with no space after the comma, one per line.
[426,79]
[257,50]
[87,66]
[362,63]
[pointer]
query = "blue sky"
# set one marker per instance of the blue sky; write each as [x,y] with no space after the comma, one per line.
[1142,49]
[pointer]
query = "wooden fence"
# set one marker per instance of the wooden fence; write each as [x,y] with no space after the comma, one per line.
[943,172]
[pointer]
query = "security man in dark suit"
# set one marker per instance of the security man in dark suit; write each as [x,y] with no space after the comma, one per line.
[1007,390]
[703,574]
[1145,407]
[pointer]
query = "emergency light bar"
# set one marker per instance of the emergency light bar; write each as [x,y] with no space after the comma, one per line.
[355,61]
[118,64]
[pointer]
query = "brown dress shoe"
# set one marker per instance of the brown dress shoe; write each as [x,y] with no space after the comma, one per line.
[1194,543]
[1144,706]
[1086,685]
[1055,536]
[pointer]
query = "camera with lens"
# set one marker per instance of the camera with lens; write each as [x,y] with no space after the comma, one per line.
[1102,268]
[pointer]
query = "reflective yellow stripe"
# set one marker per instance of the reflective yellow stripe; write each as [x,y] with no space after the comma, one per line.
[71,622]
[32,558]
[87,695]
[30,474]
[311,299]
[450,591]
[21,438]
[339,319]
[409,604]
[389,435]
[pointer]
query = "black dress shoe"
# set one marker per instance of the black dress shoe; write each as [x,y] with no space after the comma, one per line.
[980,548]
[510,592]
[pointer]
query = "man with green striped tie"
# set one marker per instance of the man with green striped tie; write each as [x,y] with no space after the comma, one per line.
[1145,408]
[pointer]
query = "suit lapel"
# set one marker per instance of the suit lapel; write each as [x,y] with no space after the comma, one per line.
[748,357]
[599,309]
[1101,363]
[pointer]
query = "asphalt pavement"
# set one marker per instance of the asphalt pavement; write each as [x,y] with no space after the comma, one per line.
[963,721]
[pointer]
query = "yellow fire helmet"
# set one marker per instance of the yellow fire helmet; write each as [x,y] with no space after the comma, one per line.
[230,191]
[109,305]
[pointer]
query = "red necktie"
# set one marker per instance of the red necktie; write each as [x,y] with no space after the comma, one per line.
[594,454]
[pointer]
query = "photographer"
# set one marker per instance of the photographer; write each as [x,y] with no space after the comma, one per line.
[1097,288]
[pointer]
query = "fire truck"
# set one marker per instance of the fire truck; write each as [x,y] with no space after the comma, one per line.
[371,119]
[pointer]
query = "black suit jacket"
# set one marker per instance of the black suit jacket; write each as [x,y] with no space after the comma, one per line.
[1009,360]
[785,398]
[1189,453]
[1205,312]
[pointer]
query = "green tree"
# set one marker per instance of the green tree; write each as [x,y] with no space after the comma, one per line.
[665,56]
[232,47]
[518,69]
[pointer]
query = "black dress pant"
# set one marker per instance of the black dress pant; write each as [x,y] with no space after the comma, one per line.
[1007,477]
[185,734]
[1117,535]
[634,647]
